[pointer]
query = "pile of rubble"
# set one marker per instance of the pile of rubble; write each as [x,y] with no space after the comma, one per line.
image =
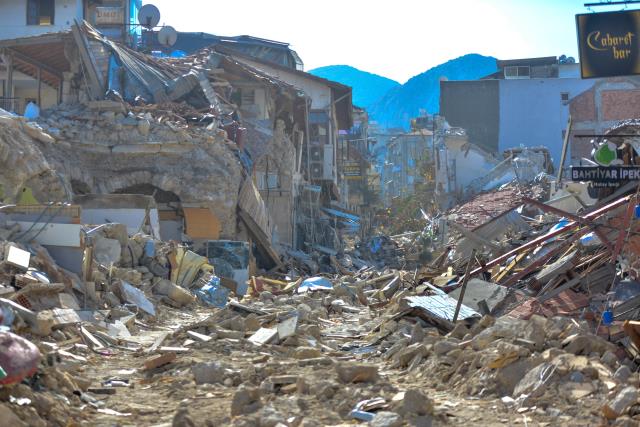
[384,346]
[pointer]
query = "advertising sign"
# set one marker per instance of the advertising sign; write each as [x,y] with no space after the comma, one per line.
[351,170]
[608,43]
[109,15]
[610,170]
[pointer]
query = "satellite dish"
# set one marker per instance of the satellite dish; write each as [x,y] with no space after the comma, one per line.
[149,16]
[167,36]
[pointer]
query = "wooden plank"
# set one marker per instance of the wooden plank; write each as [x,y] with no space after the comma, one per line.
[544,259]
[163,336]
[557,268]
[565,146]
[474,237]
[631,328]
[509,267]
[88,63]
[576,218]
[539,240]
[264,243]
[465,280]
[570,284]
[95,343]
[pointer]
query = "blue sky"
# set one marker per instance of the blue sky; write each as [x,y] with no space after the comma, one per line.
[394,38]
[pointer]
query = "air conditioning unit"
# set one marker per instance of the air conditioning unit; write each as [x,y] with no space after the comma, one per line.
[316,153]
[316,170]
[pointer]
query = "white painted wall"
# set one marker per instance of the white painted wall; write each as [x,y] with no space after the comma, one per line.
[319,93]
[26,87]
[470,165]
[132,218]
[13,18]
[532,112]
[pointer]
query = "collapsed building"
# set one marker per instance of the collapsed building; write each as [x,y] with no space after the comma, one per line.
[226,144]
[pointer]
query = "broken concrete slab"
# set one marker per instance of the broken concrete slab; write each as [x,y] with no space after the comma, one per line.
[135,296]
[263,336]
[479,290]
[17,257]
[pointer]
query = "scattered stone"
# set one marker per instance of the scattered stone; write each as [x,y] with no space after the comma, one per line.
[182,418]
[208,373]
[245,401]
[535,381]
[609,358]
[417,334]
[386,419]
[307,353]
[356,372]
[621,403]
[406,355]
[444,347]
[622,374]
[415,402]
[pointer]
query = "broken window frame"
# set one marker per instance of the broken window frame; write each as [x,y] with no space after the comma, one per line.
[517,72]
[268,181]
[35,10]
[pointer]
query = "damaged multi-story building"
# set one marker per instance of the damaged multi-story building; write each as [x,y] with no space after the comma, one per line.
[227,145]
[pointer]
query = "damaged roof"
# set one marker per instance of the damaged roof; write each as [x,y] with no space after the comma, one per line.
[342,95]
[45,51]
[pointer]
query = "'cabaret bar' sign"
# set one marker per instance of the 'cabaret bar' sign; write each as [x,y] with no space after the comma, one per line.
[609,43]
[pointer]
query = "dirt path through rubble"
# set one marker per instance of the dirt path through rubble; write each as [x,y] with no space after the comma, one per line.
[154,397]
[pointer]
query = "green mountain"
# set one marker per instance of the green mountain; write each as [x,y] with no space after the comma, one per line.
[367,87]
[402,103]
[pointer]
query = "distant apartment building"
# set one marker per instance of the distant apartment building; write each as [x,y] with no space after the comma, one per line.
[116,19]
[525,103]
[403,164]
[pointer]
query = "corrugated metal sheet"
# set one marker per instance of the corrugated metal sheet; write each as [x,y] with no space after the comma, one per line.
[440,306]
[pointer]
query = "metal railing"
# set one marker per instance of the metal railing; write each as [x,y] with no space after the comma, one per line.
[10,104]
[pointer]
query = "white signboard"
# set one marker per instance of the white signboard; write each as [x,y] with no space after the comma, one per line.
[109,15]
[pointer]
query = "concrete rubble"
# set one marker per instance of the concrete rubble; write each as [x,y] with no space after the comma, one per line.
[505,309]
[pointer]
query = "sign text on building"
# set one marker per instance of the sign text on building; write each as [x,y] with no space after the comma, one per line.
[609,43]
[109,15]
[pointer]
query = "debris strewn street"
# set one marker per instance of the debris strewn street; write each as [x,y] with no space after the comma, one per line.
[210,235]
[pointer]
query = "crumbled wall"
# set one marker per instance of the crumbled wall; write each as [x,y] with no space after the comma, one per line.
[23,167]
[106,152]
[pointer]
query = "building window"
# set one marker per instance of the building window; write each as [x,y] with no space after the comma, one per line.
[40,12]
[517,72]
[564,96]
[248,97]
[269,181]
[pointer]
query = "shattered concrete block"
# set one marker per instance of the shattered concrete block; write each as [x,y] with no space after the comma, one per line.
[245,401]
[404,356]
[160,360]
[208,373]
[17,257]
[176,293]
[534,383]
[350,372]
[415,402]
[622,374]
[307,353]
[386,419]
[621,403]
